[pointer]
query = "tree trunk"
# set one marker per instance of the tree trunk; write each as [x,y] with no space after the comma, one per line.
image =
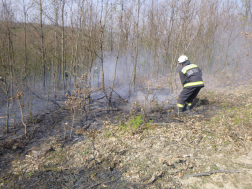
[63,44]
[136,48]
[42,43]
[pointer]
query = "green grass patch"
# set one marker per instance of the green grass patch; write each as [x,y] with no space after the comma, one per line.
[107,133]
[31,174]
[135,121]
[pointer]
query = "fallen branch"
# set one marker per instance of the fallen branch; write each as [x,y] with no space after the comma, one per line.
[98,98]
[115,93]
[208,173]
[154,177]
[110,109]
[174,96]
[103,183]
[41,97]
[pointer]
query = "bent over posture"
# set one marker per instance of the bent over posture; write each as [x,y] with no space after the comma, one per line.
[191,79]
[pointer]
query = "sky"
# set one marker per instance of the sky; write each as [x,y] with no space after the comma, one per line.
[32,9]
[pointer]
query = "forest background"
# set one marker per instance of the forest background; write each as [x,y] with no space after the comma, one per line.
[48,46]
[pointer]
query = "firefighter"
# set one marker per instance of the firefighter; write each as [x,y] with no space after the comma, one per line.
[192,82]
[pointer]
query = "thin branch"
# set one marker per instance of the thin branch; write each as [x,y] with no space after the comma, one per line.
[208,173]
[41,97]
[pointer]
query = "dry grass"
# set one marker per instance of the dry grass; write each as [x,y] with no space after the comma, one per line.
[159,155]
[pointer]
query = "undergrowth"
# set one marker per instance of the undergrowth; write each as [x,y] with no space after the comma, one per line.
[135,121]
[190,144]
[232,124]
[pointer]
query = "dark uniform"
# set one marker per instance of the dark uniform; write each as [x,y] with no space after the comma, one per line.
[191,79]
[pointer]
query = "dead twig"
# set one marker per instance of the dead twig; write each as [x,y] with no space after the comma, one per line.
[53,101]
[208,173]
[115,92]
[174,96]
[95,185]
[154,177]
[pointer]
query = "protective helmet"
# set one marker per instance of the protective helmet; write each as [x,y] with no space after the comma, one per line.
[182,59]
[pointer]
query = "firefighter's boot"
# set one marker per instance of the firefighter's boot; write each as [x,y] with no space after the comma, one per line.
[188,107]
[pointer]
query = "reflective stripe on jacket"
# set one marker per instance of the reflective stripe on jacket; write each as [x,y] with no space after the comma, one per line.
[191,75]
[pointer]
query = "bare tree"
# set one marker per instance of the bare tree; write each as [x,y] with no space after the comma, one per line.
[117,56]
[63,42]
[136,46]
[42,41]
[25,10]
[8,67]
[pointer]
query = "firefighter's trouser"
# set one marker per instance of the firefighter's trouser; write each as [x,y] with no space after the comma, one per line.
[187,95]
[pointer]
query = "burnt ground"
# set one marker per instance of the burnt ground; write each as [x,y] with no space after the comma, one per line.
[107,151]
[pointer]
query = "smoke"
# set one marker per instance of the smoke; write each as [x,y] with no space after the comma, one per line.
[227,64]
[35,101]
